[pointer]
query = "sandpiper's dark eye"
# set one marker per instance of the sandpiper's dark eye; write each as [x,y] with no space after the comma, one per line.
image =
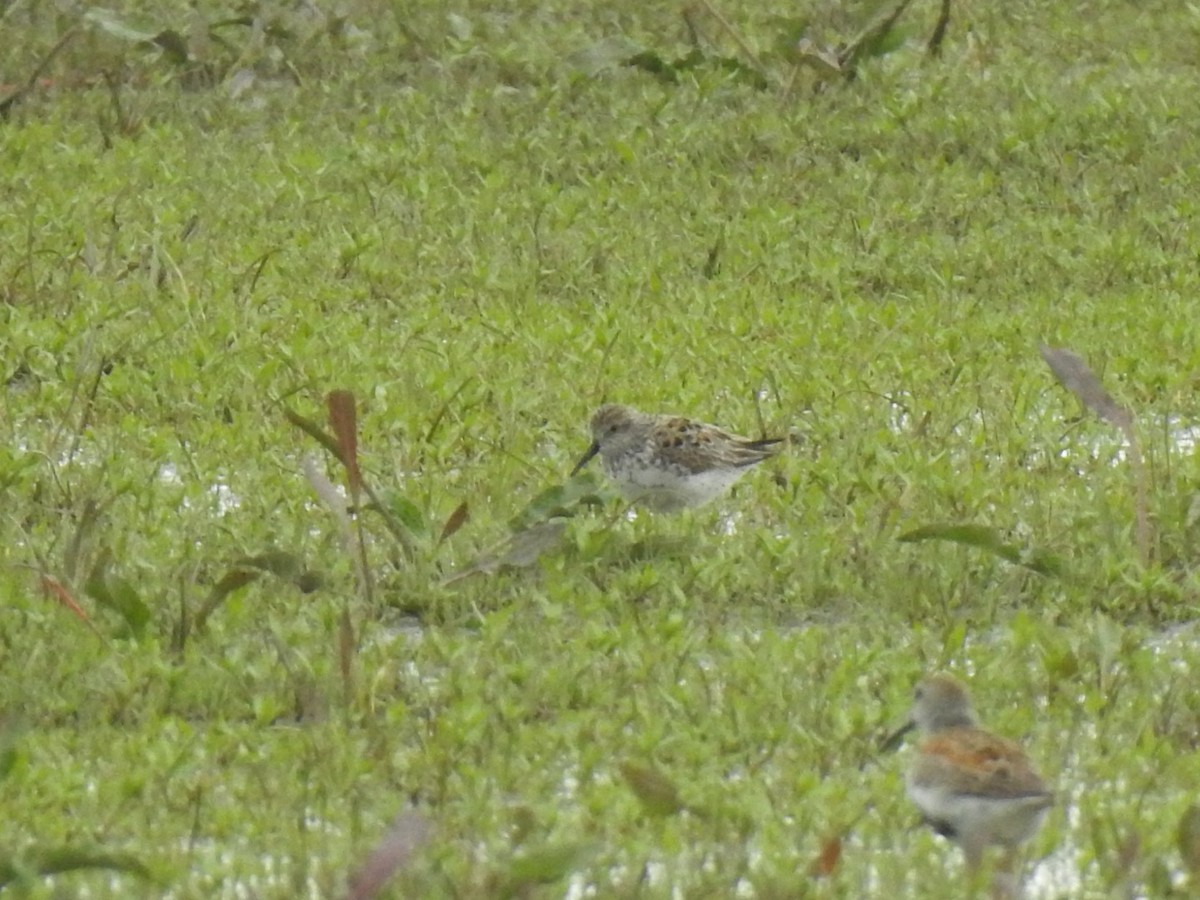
[612,429]
[919,693]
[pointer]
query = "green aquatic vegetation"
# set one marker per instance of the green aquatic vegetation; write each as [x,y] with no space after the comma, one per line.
[231,665]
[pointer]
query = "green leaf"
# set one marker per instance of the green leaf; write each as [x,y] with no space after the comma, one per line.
[119,595]
[409,515]
[173,44]
[609,53]
[1187,838]
[526,547]
[883,43]
[649,61]
[989,539]
[875,33]
[55,861]
[10,754]
[562,501]
[314,431]
[789,30]
[544,865]
[518,551]
[109,22]
[230,582]
[460,26]
[14,464]
[656,791]
[280,563]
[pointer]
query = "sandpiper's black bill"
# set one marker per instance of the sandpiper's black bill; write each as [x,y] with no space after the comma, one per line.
[587,458]
[894,739]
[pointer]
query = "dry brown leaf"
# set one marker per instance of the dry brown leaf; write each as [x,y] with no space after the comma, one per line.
[827,860]
[457,520]
[407,834]
[1076,376]
[59,591]
[343,418]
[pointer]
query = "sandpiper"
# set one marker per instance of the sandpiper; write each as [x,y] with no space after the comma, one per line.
[668,462]
[971,786]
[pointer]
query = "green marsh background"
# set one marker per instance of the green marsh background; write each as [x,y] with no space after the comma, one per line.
[483,220]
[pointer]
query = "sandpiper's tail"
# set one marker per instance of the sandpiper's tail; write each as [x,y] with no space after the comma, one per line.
[751,452]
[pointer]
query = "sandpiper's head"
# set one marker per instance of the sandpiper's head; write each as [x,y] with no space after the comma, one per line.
[614,430]
[941,701]
[611,422]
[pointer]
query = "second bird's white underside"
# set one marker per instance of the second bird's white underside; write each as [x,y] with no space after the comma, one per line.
[982,820]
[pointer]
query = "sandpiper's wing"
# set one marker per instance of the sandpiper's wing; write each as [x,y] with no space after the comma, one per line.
[976,762]
[698,447]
